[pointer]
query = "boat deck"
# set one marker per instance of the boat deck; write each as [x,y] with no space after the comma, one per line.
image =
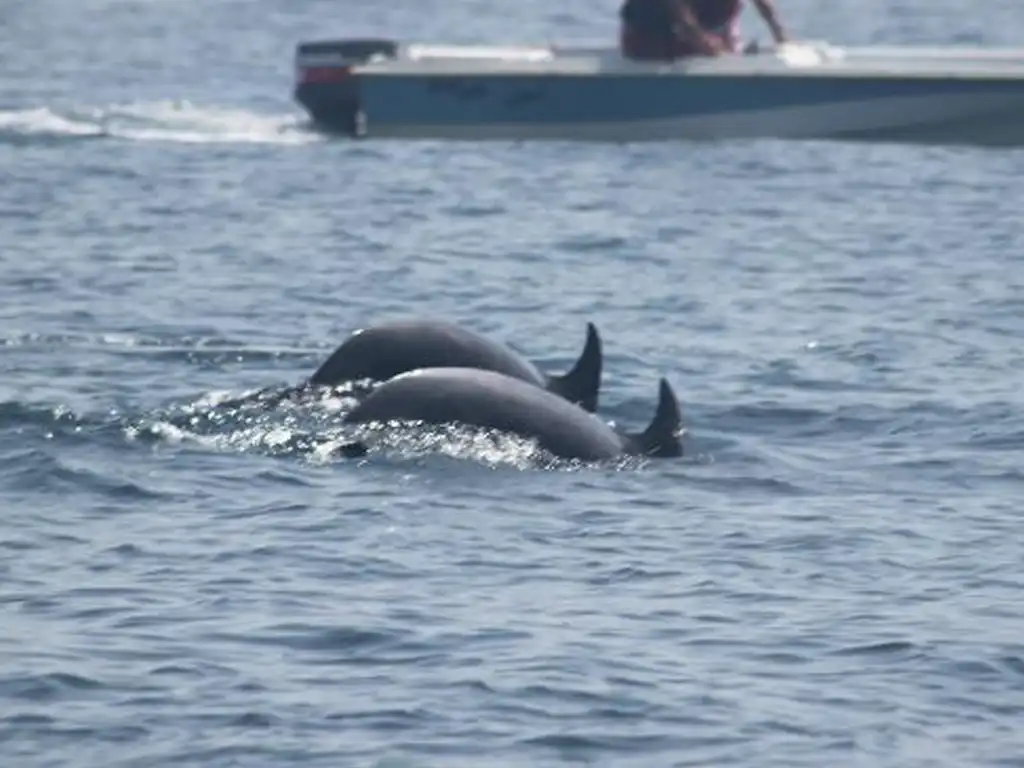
[805,59]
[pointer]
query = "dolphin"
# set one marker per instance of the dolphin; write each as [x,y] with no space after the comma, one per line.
[493,400]
[383,351]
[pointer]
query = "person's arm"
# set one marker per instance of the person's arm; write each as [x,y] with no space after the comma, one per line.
[767,10]
[691,30]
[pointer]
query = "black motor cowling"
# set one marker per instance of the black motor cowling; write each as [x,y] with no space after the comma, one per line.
[325,85]
[345,51]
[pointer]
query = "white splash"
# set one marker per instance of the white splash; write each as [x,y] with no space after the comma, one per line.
[167,121]
[42,121]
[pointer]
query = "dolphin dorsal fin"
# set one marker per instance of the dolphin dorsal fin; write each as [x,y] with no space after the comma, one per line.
[582,383]
[661,438]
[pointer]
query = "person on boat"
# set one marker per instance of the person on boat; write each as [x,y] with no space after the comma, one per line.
[668,29]
[649,29]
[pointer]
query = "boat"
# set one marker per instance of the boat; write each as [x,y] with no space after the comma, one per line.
[380,88]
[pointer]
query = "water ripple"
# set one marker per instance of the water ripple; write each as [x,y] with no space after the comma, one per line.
[191,576]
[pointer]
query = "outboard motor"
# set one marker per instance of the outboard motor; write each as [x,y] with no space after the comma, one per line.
[324,84]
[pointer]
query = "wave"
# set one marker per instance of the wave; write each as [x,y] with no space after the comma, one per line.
[198,347]
[159,121]
[310,428]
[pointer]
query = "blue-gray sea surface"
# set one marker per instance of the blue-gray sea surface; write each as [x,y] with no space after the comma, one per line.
[830,577]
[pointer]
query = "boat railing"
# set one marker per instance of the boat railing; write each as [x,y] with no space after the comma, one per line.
[422,51]
[799,52]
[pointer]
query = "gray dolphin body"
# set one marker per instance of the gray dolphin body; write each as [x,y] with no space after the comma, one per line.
[384,351]
[496,401]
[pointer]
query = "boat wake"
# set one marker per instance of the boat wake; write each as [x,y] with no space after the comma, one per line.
[160,121]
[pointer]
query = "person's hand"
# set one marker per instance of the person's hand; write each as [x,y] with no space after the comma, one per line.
[713,45]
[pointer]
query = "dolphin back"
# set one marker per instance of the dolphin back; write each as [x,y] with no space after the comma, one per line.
[384,351]
[582,383]
[492,401]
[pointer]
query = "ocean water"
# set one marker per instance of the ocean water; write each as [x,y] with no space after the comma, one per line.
[830,576]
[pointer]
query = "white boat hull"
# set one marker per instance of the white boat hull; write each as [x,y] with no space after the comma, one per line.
[922,119]
[799,91]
